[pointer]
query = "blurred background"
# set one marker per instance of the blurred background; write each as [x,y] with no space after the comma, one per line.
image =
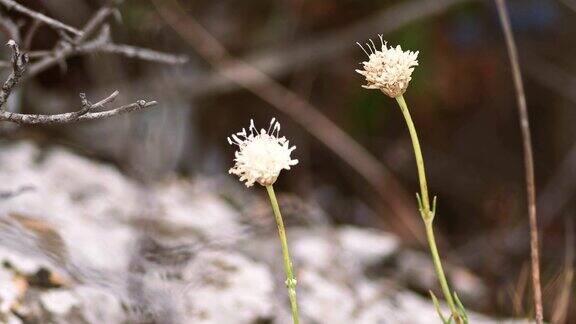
[295,60]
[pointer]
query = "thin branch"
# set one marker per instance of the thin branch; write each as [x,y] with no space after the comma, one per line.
[64,50]
[94,23]
[141,53]
[101,44]
[19,61]
[13,5]
[69,47]
[85,112]
[528,158]
[301,111]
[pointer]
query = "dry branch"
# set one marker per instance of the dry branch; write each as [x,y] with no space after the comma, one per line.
[13,5]
[528,158]
[101,43]
[81,43]
[19,61]
[141,53]
[86,112]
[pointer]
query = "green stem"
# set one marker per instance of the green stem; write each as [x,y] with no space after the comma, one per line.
[417,153]
[290,280]
[426,213]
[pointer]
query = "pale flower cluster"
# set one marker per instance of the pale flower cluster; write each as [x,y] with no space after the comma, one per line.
[388,69]
[261,155]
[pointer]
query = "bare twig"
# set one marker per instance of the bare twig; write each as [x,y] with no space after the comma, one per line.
[13,5]
[95,47]
[82,44]
[94,23]
[86,112]
[528,158]
[301,111]
[101,44]
[141,53]
[19,61]
[67,49]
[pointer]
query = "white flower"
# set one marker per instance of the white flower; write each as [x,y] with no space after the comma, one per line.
[261,155]
[388,69]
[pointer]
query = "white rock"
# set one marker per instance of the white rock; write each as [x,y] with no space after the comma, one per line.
[9,290]
[100,191]
[323,300]
[314,251]
[82,304]
[59,302]
[229,288]
[22,263]
[9,318]
[18,157]
[417,269]
[402,307]
[98,245]
[367,245]
[99,306]
[92,208]
[186,207]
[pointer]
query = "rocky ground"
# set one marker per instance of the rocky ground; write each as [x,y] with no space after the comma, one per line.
[82,243]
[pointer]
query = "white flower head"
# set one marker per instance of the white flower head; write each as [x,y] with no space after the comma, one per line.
[261,154]
[388,69]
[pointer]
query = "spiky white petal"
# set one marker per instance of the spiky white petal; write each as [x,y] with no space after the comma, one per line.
[261,155]
[388,69]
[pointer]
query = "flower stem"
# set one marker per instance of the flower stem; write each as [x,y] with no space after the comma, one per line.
[427,213]
[290,280]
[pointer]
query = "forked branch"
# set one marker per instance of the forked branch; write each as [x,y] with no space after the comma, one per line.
[87,111]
